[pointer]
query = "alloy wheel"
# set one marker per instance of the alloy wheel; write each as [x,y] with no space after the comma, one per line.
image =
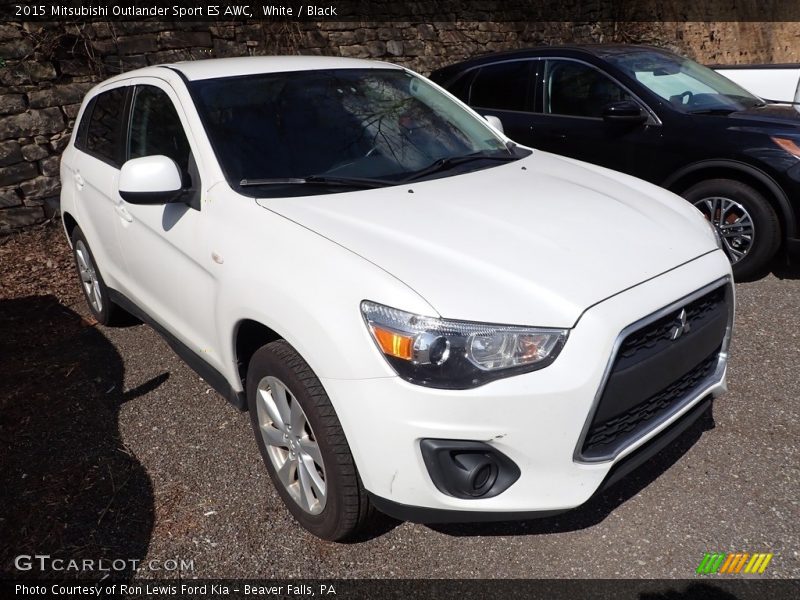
[291,444]
[733,223]
[89,278]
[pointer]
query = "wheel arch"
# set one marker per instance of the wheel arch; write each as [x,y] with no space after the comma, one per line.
[248,336]
[70,223]
[686,177]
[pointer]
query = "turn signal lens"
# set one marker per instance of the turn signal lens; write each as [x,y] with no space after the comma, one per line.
[788,144]
[393,343]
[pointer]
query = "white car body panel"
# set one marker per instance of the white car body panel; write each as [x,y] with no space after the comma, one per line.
[544,241]
[531,418]
[773,82]
[518,243]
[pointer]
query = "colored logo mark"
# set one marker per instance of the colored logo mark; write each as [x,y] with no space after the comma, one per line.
[734,562]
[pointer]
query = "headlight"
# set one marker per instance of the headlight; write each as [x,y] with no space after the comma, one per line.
[444,353]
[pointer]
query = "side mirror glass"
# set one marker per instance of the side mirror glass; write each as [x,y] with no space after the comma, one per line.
[494,122]
[624,112]
[150,180]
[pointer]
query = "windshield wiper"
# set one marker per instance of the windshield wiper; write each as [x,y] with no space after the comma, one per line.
[366,183]
[448,162]
[357,182]
[712,111]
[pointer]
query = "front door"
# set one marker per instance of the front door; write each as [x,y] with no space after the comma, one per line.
[573,96]
[166,247]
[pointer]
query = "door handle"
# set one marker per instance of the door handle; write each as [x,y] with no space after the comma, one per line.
[555,135]
[123,213]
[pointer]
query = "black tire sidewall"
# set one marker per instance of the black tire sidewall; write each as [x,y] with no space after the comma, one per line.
[324,525]
[104,316]
[765,221]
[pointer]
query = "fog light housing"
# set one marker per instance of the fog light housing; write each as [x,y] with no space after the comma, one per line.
[468,469]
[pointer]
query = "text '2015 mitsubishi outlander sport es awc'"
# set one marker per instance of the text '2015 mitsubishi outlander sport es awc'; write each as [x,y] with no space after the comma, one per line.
[419,315]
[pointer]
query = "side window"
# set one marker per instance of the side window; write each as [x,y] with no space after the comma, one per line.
[576,89]
[83,126]
[156,127]
[460,87]
[104,128]
[502,86]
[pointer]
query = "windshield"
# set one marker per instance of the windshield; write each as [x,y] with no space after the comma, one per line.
[349,127]
[688,86]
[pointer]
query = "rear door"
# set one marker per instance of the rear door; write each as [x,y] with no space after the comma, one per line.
[93,170]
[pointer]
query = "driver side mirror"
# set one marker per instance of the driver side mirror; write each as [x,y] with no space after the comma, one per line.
[150,180]
[494,122]
[624,112]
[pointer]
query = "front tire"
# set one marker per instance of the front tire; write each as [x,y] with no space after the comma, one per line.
[303,445]
[745,220]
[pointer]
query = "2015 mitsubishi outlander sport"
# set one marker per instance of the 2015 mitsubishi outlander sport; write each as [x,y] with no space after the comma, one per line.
[420,315]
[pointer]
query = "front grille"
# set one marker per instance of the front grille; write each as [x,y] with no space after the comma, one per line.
[653,338]
[657,367]
[605,433]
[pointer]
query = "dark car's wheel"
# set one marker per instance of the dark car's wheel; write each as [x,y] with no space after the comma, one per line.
[303,445]
[746,222]
[92,284]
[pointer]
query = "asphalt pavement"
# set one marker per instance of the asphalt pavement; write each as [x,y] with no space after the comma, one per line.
[730,484]
[737,488]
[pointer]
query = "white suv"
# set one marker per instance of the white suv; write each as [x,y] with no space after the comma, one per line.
[420,315]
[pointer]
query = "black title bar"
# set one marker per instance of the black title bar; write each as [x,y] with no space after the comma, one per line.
[421,11]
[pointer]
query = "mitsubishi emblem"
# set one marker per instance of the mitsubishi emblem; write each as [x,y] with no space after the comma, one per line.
[681,325]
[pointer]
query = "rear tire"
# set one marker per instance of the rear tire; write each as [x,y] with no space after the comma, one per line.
[745,220]
[303,445]
[94,287]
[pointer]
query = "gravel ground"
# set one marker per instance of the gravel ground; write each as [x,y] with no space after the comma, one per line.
[190,483]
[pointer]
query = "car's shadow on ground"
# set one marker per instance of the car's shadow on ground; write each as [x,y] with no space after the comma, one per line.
[782,270]
[780,267]
[72,488]
[600,505]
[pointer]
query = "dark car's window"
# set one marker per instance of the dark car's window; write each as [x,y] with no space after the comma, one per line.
[688,86]
[105,121]
[156,127]
[579,90]
[461,86]
[503,86]
[382,124]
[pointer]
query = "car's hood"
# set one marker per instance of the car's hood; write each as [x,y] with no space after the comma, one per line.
[773,113]
[534,242]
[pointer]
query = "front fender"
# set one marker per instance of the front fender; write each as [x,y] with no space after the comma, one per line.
[308,290]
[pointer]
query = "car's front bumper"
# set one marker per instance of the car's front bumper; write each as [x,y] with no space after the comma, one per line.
[537,419]
[619,471]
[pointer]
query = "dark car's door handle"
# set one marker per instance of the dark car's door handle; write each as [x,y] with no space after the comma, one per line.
[556,135]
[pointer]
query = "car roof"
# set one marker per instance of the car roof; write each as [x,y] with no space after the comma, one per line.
[599,50]
[213,68]
[251,65]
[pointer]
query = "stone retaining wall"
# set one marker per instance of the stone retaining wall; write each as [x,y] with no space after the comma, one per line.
[46,68]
